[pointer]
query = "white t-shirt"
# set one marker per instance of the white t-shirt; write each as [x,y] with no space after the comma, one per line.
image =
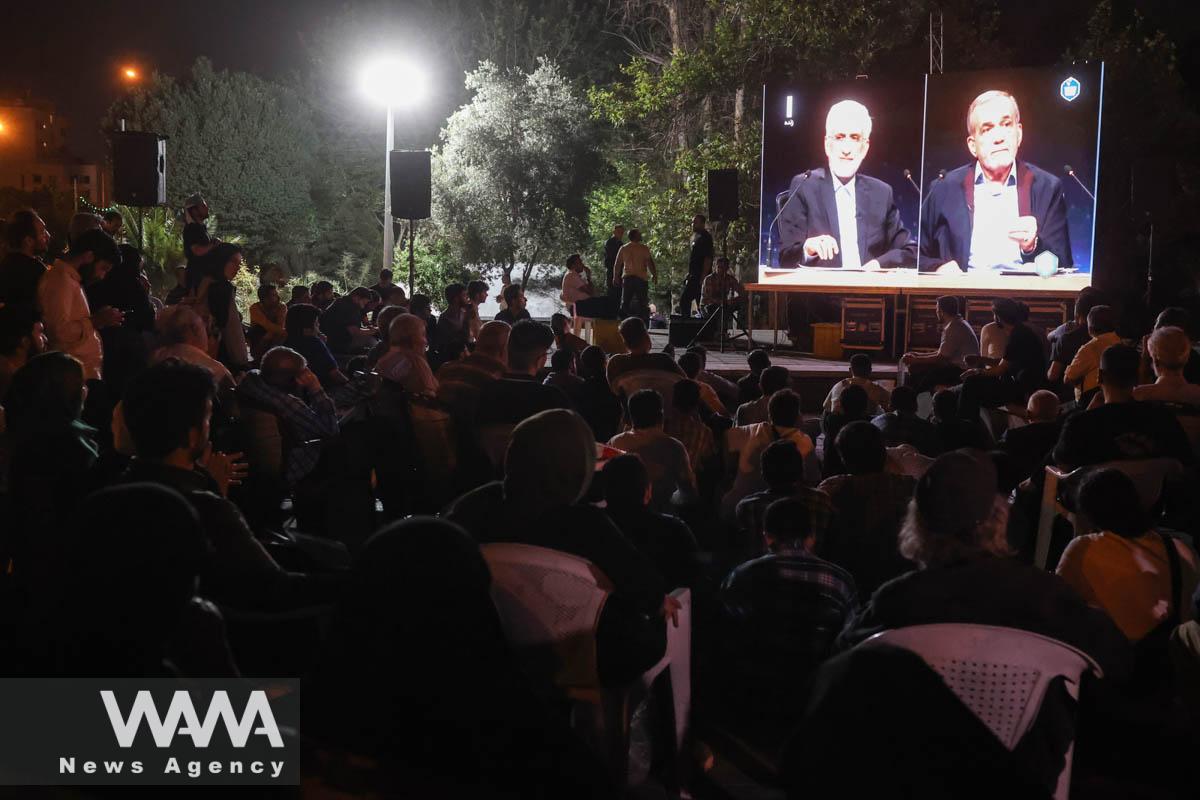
[573,287]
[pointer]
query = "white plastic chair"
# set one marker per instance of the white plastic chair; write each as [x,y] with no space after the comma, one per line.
[1000,674]
[550,604]
[1148,475]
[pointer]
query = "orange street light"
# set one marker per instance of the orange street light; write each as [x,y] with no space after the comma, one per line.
[130,73]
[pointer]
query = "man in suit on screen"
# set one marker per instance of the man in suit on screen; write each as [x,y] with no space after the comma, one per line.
[835,217]
[996,213]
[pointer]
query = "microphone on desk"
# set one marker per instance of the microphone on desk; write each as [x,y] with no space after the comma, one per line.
[908,177]
[1067,169]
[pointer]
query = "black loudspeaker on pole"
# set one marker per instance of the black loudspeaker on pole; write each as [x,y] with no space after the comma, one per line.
[723,205]
[412,184]
[139,168]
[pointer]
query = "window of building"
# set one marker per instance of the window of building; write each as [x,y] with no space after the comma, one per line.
[37,179]
[85,178]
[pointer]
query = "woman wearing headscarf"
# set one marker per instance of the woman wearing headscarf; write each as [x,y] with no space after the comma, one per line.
[416,676]
[217,292]
[125,351]
[548,469]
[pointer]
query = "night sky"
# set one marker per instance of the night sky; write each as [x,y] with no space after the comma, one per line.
[69,52]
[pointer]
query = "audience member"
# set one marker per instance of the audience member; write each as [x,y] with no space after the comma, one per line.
[342,323]
[783,473]
[514,305]
[748,385]
[771,380]
[218,298]
[749,442]
[21,269]
[686,426]
[1173,317]
[854,403]
[1169,350]
[955,532]
[860,375]
[727,390]
[422,306]
[477,294]
[902,425]
[1020,372]
[1084,370]
[300,296]
[1122,428]
[82,222]
[665,457]
[125,345]
[71,325]
[321,295]
[286,387]
[416,676]
[268,321]
[547,471]
[304,336]
[562,374]
[384,283]
[599,407]
[196,241]
[383,321]
[21,338]
[563,338]
[639,368]
[454,323]
[953,432]
[1029,445]
[927,371]
[404,363]
[776,599]
[663,539]
[518,394]
[183,336]
[1124,567]
[1066,339]
[870,504]
[691,363]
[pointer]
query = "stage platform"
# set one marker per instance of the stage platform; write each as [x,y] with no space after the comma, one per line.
[811,377]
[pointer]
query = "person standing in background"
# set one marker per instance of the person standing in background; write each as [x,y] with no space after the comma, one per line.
[611,248]
[700,260]
[632,272]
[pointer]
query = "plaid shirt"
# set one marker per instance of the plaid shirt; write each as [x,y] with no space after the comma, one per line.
[696,436]
[772,590]
[752,508]
[304,423]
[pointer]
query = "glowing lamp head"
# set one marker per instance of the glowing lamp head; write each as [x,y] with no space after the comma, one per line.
[394,82]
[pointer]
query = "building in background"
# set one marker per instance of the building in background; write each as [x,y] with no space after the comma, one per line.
[34,157]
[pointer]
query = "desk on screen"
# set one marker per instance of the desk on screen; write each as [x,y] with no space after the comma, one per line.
[909,283]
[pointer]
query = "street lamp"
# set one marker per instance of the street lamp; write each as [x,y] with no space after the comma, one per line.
[393,83]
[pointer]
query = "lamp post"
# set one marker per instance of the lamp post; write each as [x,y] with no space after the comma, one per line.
[392,83]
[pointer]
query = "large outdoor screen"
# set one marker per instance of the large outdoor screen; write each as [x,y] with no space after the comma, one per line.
[980,180]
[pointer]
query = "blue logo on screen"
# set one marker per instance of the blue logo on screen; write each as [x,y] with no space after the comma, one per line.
[1070,89]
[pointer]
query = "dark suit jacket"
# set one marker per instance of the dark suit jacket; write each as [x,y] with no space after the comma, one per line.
[948,213]
[812,211]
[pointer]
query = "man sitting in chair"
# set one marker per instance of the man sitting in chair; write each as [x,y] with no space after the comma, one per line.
[720,287]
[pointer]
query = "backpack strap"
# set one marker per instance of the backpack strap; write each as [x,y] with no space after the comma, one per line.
[1173,616]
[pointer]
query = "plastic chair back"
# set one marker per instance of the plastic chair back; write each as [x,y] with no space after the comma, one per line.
[1001,674]
[549,604]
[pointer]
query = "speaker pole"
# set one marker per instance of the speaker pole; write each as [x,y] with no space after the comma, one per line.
[141,228]
[389,240]
[412,269]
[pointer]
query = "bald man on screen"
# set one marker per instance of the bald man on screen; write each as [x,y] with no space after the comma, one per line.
[836,217]
[997,213]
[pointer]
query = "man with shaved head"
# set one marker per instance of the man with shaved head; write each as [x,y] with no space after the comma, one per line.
[835,217]
[998,212]
[459,382]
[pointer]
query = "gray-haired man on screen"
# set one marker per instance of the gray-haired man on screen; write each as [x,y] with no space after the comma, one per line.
[835,217]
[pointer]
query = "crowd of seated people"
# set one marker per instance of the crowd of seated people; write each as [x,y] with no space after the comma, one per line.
[348,457]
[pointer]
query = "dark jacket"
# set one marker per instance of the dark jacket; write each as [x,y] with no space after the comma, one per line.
[947,216]
[19,276]
[812,211]
[991,590]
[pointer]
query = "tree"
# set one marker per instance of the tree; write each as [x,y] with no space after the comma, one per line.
[512,176]
[247,144]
